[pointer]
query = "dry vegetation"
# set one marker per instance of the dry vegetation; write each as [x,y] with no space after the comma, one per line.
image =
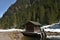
[53,33]
[13,36]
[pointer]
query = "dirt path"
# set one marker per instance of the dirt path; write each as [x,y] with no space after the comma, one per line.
[4,36]
[10,36]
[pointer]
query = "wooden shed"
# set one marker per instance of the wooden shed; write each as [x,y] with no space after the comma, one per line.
[32,26]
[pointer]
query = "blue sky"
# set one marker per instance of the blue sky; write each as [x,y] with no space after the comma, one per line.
[4,5]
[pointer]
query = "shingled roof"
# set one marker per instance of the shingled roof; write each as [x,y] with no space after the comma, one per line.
[35,23]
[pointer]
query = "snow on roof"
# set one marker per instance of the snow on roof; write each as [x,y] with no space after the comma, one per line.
[11,30]
[51,26]
[45,26]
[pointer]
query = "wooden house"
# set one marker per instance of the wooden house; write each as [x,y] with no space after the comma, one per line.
[32,26]
[32,29]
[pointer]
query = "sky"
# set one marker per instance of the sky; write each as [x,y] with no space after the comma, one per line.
[4,5]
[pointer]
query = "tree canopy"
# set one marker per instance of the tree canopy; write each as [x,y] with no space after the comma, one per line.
[42,11]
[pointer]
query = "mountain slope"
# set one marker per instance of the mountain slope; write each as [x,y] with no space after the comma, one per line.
[43,11]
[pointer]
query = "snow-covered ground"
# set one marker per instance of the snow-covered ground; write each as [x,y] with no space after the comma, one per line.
[54,37]
[10,30]
[52,30]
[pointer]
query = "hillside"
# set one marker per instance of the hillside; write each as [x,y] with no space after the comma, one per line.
[43,11]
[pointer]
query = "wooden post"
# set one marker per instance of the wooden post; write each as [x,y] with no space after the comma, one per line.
[43,35]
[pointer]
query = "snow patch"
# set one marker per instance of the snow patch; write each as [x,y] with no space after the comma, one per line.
[53,36]
[11,30]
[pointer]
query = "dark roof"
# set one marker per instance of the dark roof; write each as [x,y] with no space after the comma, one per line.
[35,23]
